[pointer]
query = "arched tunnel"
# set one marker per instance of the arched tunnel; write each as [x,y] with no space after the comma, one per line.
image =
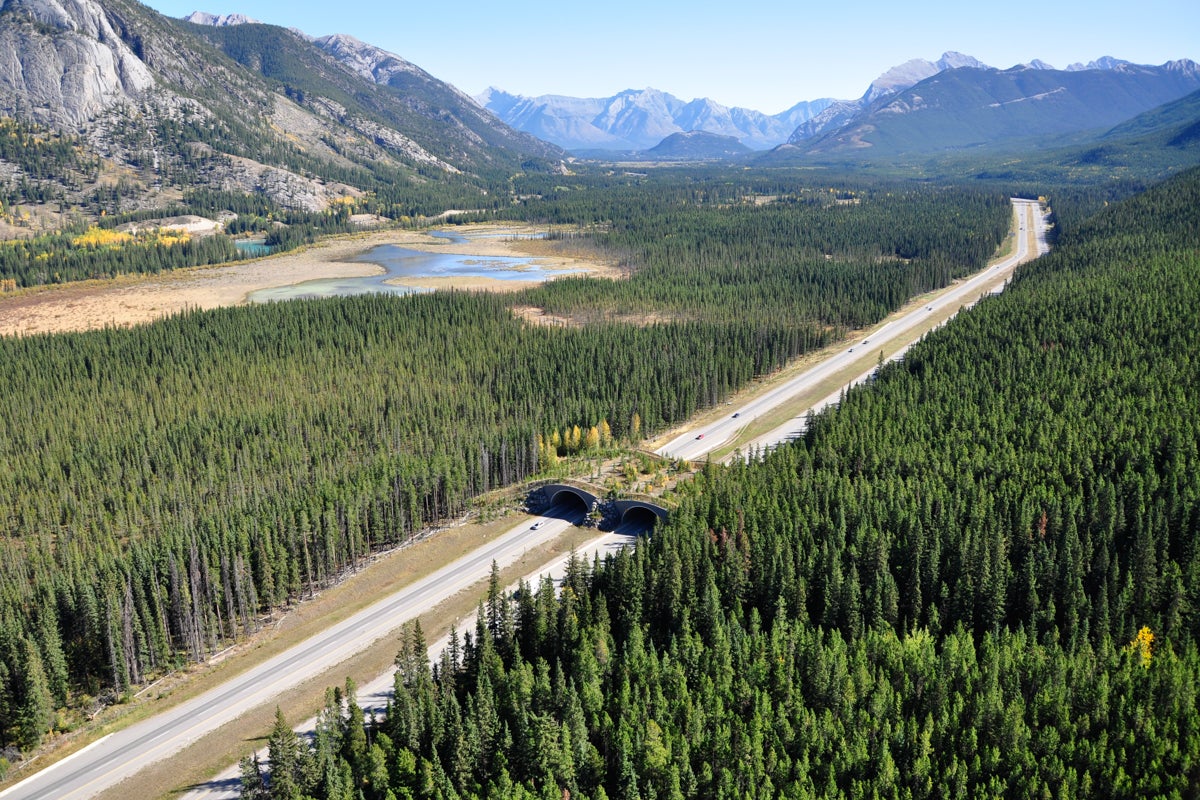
[640,514]
[565,500]
[573,498]
[639,511]
[569,498]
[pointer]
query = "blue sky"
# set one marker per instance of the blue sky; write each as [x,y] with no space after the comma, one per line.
[761,55]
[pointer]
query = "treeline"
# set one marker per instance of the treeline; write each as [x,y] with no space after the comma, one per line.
[978,577]
[162,488]
[847,256]
[57,258]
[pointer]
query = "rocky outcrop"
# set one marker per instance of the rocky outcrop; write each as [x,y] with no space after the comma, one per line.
[372,63]
[221,21]
[286,188]
[225,102]
[62,62]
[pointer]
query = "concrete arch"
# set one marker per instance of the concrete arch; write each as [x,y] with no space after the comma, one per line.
[556,493]
[629,510]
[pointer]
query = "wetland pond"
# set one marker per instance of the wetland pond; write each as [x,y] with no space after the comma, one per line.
[403,263]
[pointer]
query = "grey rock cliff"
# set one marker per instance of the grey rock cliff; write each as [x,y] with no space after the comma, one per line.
[372,63]
[68,77]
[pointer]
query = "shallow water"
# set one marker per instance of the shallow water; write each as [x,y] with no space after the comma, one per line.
[253,248]
[400,263]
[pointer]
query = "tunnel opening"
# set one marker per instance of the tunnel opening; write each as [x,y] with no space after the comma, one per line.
[570,501]
[639,515]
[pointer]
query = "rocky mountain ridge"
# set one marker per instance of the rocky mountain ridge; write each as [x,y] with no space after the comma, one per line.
[225,103]
[638,119]
[899,79]
[219,21]
[972,107]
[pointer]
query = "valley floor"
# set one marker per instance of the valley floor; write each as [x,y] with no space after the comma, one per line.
[135,300]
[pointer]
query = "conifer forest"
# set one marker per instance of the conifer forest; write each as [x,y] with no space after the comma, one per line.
[977,577]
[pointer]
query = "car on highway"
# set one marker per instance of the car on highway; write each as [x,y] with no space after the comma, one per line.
[700,436]
[535,526]
[737,414]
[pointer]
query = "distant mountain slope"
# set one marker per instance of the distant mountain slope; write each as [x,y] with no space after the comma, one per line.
[226,103]
[1175,124]
[399,96]
[896,79]
[698,146]
[640,119]
[911,72]
[971,107]
[220,21]
[1160,141]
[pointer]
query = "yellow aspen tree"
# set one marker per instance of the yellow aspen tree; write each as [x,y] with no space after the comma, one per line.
[1142,644]
[605,433]
[549,457]
[592,440]
[635,426]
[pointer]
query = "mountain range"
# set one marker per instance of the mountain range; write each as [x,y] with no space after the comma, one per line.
[956,101]
[153,107]
[640,119]
[971,107]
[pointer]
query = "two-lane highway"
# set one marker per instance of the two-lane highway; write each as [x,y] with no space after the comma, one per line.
[121,754]
[857,361]
[373,695]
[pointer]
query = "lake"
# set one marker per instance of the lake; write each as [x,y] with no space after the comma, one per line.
[400,263]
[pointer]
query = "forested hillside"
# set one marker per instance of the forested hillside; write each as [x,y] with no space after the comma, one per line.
[978,577]
[161,488]
[762,247]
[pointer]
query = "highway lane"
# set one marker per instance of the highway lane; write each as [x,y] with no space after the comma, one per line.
[374,695]
[121,754]
[698,442]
